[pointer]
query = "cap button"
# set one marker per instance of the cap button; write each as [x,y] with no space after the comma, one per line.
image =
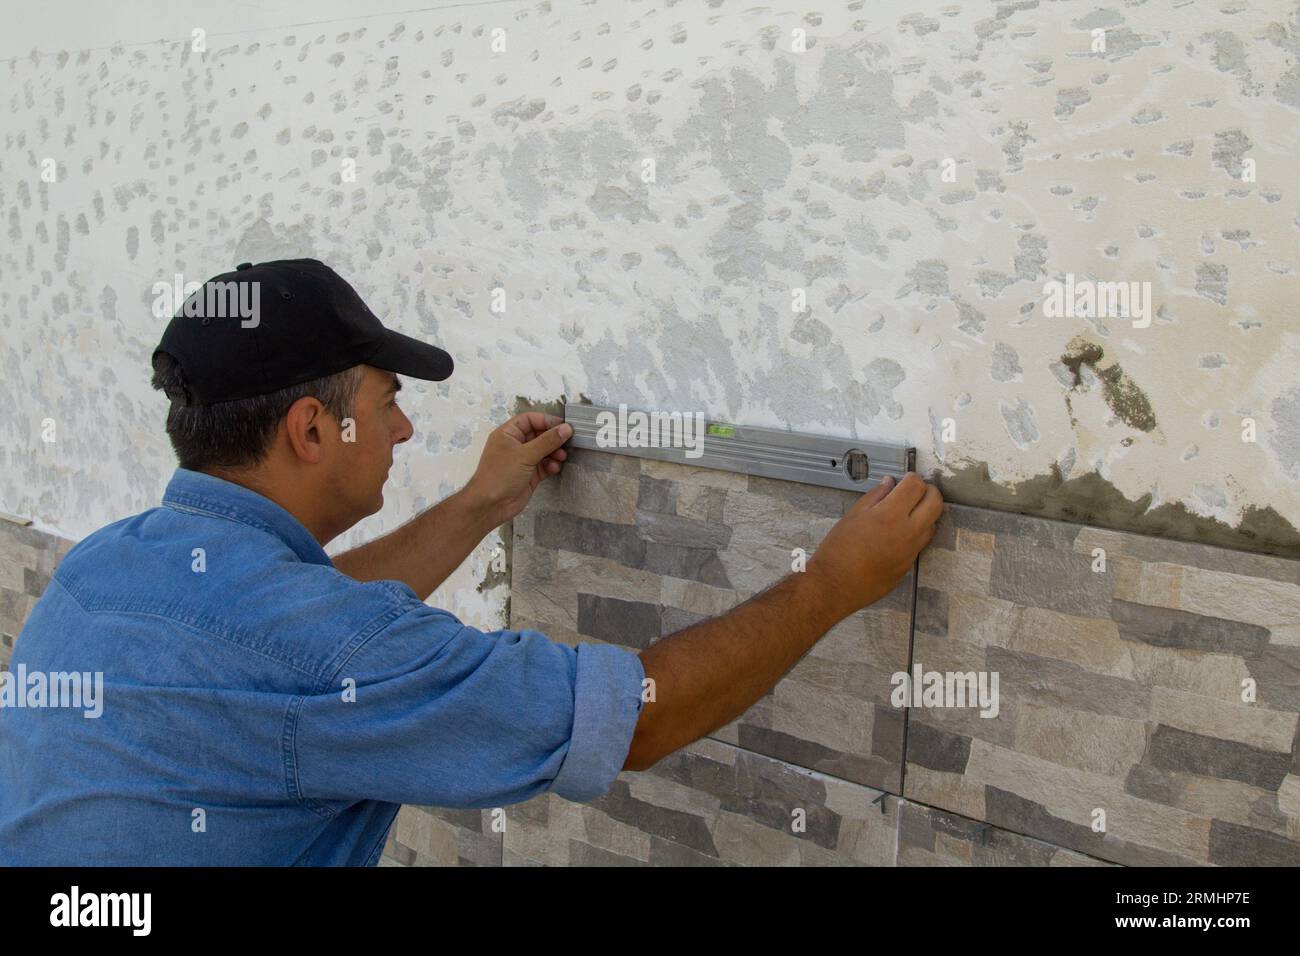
[244,265]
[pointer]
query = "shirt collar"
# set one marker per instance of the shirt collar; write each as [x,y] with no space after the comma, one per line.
[198,491]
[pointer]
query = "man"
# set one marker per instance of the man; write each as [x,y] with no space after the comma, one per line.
[262,704]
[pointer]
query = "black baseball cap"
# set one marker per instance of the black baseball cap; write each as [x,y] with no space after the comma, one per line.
[265,327]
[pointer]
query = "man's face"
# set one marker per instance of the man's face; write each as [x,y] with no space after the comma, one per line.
[380,425]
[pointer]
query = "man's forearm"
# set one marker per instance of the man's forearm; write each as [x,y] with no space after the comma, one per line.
[712,672]
[425,551]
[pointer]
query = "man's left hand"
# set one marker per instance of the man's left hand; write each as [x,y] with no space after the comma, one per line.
[518,456]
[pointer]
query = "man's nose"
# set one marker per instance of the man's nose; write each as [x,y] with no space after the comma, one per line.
[404,432]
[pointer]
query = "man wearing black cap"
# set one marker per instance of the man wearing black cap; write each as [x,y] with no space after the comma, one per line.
[259,703]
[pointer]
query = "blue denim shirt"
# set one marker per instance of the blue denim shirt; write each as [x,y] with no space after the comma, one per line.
[261,707]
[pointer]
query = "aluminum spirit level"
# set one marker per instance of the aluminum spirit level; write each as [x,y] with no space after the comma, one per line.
[688,438]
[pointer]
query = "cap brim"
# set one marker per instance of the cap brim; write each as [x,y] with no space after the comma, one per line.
[407,356]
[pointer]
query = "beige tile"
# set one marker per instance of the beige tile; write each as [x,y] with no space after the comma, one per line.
[1091,643]
[949,791]
[1194,672]
[689,474]
[605,833]
[1112,542]
[1288,796]
[1158,585]
[1245,723]
[1093,742]
[1230,800]
[740,839]
[956,571]
[1241,598]
[698,598]
[978,542]
[1072,795]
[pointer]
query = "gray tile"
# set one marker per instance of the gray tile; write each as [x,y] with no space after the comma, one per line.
[34,583]
[675,619]
[433,836]
[1233,845]
[626,623]
[1018,530]
[1165,627]
[603,539]
[1276,673]
[667,853]
[1069,685]
[709,804]
[682,532]
[932,837]
[690,564]
[1174,749]
[932,611]
[936,749]
[657,494]
[584,854]
[803,753]
[809,499]
[1010,811]
[1031,575]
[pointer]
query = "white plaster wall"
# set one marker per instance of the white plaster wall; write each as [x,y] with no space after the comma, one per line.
[775,170]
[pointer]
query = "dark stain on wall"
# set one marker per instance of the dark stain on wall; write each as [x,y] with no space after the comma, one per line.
[1129,403]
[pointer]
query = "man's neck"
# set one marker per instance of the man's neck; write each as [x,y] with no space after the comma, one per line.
[298,505]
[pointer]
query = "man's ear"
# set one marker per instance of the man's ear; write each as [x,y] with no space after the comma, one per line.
[305,426]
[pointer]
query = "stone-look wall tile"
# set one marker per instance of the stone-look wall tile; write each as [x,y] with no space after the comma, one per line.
[684,474]
[709,804]
[1146,549]
[604,496]
[27,560]
[1120,690]
[932,837]
[431,836]
[578,576]
[806,499]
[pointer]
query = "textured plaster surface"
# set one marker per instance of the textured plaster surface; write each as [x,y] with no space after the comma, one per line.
[778,175]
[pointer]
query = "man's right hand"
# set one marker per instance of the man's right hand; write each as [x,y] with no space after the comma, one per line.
[873,546]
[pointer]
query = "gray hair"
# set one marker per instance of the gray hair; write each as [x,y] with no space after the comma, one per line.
[238,434]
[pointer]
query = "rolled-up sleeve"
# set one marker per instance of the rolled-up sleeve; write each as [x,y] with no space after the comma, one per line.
[430,711]
[602,721]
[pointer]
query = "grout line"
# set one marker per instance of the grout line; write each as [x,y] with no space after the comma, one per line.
[911,653]
[1019,833]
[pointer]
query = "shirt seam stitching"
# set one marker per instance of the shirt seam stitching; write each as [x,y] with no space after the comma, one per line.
[376,626]
[293,784]
[186,503]
[197,506]
[123,607]
[377,850]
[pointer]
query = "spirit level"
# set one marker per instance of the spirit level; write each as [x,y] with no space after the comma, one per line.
[691,439]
